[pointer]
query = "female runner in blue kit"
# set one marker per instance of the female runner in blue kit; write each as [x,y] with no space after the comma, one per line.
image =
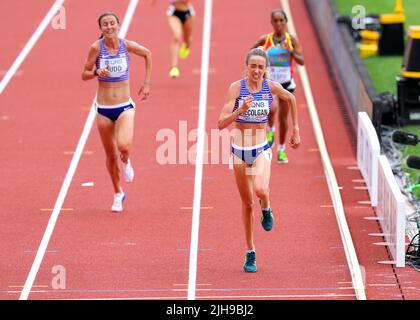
[247,106]
[109,61]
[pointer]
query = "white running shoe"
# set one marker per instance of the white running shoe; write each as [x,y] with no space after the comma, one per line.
[118,201]
[128,171]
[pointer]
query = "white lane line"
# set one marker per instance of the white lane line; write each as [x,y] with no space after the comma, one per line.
[128,17]
[69,176]
[195,226]
[352,261]
[236,297]
[30,44]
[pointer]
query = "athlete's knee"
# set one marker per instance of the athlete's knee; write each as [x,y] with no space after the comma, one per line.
[124,147]
[262,192]
[177,38]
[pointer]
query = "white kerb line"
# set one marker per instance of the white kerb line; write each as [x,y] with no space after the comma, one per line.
[29,45]
[205,59]
[69,176]
[355,271]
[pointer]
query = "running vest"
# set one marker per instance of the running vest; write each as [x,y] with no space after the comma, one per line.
[279,59]
[118,64]
[260,106]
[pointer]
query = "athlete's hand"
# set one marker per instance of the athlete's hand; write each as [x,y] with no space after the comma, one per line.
[104,72]
[247,103]
[295,139]
[144,92]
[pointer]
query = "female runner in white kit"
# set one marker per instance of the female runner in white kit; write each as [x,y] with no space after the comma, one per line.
[247,106]
[109,61]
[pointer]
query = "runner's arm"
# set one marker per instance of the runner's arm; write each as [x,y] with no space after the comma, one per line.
[227,116]
[297,51]
[137,49]
[260,42]
[88,72]
[290,100]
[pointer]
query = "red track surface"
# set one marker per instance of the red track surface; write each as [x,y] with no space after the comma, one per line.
[21,26]
[144,252]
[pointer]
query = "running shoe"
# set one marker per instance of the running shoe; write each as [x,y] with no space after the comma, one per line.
[250,264]
[128,171]
[267,219]
[118,201]
[184,51]
[270,137]
[281,157]
[174,73]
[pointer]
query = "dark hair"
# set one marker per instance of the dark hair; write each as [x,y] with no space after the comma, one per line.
[281,11]
[105,14]
[256,52]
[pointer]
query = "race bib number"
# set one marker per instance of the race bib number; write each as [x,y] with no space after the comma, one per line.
[280,74]
[257,111]
[117,66]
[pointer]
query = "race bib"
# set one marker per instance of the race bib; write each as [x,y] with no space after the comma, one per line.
[280,74]
[117,66]
[257,112]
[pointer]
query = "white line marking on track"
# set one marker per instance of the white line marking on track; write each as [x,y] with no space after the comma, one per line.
[205,60]
[386,262]
[239,297]
[30,44]
[34,286]
[383,244]
[61,209]
[360,188]
[186,284]
[372,218]
[69,176]
[17,73]
[353,168]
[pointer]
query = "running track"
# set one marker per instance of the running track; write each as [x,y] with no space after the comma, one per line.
[144,252]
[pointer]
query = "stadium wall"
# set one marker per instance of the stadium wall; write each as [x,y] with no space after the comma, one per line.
[347,69]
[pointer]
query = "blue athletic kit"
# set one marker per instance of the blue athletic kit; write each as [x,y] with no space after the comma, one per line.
[260,106]
[113,112]
[249,154]
[257,113]
[118,66]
